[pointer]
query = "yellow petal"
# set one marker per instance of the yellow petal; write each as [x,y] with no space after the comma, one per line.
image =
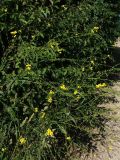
[68,138]
[75,92]
[36,110]
[13,33]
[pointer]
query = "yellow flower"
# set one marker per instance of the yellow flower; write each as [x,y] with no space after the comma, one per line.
[42,115]
[100,85]
[78,86]
[68,138]
[28,66]
[3,149]
[49,99]
[36,110]
[22,140]
[13,33]
[63,87]
[75,92]
[49,133]
[104,84]
[51,92]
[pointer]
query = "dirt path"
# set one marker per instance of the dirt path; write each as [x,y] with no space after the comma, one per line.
[110,150]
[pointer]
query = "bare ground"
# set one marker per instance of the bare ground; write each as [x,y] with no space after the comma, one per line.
[110,150]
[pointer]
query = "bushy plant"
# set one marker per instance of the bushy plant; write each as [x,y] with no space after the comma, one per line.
[52,74]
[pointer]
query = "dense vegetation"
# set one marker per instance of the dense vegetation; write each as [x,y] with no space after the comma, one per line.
[54,65]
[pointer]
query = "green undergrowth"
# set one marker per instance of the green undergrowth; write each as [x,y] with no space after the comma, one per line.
[54,65]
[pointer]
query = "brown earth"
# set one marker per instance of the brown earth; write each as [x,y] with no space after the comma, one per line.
[110,150]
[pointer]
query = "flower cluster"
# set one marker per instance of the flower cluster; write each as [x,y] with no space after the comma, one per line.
[36,110]
[101,85]
[78,86]
[22,140]
[28,67]
[68,138]
[75,92]
[63,87]
[50,96]
[49,133]
[13,33]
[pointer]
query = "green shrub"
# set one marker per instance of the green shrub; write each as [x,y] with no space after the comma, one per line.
[53,57]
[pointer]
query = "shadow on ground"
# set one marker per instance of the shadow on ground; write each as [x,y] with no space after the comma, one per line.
[116,56]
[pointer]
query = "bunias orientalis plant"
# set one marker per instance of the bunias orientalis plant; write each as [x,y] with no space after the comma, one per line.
[52,75]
